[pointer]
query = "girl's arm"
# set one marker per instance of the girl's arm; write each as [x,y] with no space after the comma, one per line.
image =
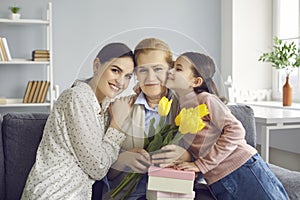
[228,132]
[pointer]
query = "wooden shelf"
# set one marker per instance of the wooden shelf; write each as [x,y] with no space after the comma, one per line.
[24,21]
[18,103]
[23,61]
[47,45]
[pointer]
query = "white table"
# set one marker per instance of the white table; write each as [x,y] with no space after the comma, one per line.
[270,118]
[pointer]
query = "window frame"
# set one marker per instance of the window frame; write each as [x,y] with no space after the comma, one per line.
[277,74]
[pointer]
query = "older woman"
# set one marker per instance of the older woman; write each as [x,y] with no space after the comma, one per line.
[153,58]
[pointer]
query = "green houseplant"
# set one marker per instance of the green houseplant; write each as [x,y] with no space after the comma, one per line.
[14,12]
[285,56]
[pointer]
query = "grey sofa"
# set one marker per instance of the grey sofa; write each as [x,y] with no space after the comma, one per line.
[21,133]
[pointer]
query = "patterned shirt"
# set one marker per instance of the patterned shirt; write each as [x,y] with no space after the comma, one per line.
[77,147]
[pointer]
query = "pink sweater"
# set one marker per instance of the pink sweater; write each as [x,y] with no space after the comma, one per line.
[220,147]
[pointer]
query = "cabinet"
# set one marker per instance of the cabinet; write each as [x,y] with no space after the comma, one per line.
[36,25]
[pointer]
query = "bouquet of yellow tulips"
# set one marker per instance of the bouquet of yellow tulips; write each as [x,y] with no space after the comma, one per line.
[187,121]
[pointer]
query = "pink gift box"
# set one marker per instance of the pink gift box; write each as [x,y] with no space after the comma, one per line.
[170,173]
[158,195]
[170,180]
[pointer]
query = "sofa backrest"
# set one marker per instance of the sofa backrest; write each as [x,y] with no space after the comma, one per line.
[22,133]
[245,115]
[2,183]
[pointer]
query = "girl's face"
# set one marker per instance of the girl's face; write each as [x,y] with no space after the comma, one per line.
[180,77]
[152,68]
[115,78]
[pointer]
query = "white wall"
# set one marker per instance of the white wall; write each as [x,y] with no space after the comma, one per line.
[246,34]
[80,26]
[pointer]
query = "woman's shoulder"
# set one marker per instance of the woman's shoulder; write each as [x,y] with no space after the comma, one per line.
[76,92]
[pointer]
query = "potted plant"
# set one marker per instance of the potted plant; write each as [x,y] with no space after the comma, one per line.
[14,12]
[285,56]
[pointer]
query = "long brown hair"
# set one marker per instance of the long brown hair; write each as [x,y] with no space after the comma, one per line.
[204,67]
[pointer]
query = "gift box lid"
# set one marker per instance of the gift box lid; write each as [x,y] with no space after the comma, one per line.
[171,173]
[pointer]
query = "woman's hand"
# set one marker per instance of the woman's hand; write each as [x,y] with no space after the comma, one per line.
[169,155]
[187,166]
[137,159]
[119,111]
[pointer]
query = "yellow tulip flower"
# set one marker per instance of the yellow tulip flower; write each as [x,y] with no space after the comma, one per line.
[189,120]
[164,106]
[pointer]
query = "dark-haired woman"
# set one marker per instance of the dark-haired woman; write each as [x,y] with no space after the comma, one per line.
[81,138]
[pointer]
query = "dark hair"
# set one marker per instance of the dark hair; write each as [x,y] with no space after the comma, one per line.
[114,50]
[204,67]
[152,44]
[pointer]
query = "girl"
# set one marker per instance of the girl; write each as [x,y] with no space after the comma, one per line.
[231,167]
[81,140]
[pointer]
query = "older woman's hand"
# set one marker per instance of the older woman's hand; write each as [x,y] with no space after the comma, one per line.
[135,160]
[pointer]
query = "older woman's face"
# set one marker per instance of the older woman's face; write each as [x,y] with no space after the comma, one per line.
[151,72]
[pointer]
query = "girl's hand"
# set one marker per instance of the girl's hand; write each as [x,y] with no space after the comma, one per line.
[187,166]
[119,111]
[169,155]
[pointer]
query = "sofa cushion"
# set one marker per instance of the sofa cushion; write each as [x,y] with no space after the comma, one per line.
[245,115]
[2,183]
[289,179]
[21,136]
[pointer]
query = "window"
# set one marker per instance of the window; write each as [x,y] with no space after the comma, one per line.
[286,27]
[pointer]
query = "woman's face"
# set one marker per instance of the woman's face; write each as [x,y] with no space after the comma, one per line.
[115,78]
[151,72]
[180,77]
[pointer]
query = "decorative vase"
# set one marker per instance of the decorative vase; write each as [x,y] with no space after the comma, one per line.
[15,16]
[287,93]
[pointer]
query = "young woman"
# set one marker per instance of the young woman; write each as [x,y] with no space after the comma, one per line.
[81,139]
[231,167]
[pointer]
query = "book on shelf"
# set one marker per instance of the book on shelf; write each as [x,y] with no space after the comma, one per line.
[27,91]
[3,100]
[40,59]
[4,40]
[40,55]
[40,51]
[2,49]
[32,91]
[36,91]
[45,90]
[1,55]
[40,94]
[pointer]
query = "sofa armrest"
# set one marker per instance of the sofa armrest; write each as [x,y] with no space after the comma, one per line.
[22,133]
[245,115]
[2,177]
[289,179]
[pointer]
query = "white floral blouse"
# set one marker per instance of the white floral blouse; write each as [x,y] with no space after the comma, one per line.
[77,147]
